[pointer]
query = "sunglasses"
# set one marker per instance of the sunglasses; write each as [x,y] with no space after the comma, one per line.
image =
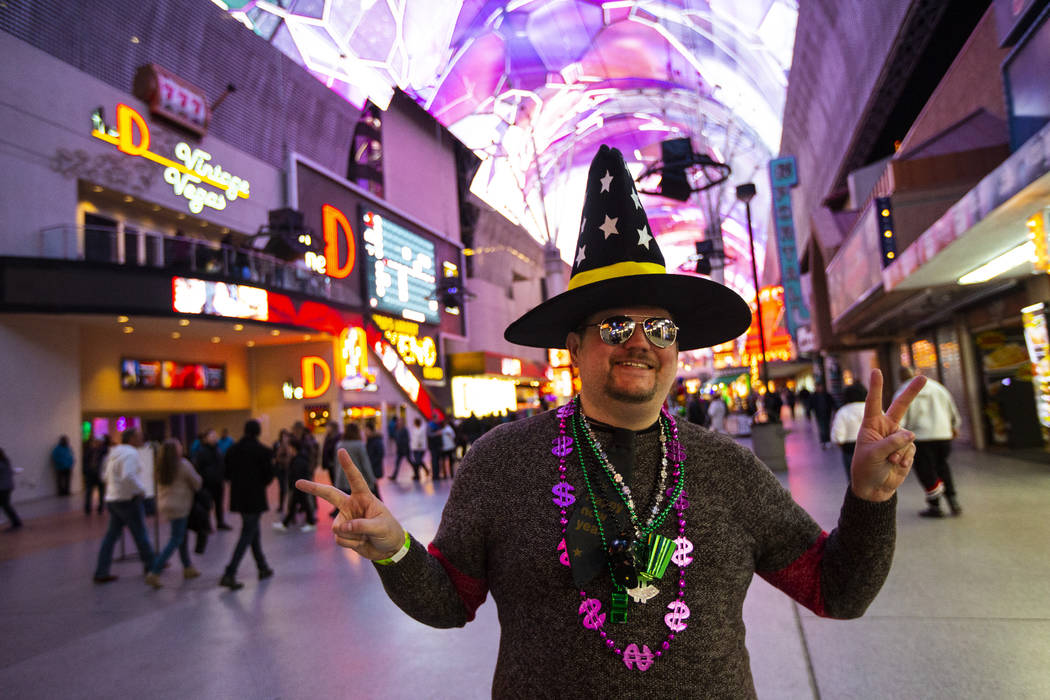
[617,330]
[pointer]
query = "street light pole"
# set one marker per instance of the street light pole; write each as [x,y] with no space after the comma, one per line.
[745,193]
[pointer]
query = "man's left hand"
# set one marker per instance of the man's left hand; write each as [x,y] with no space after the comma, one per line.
[885,451]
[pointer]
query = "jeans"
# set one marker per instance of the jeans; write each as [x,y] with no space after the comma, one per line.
[177,541]
[131,514]
[249,536]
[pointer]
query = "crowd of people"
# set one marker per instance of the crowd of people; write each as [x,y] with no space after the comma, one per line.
[190,487]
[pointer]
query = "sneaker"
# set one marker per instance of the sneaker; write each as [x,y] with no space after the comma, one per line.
[933,511]
[280,526]
[308,528]
[190,572]
[104,579]
[230,582]
[265,573]
[153,579]
[954,506]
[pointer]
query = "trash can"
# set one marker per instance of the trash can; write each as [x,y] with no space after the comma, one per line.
[767,440]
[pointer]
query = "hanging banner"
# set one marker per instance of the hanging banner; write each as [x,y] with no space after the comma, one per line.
[783,175]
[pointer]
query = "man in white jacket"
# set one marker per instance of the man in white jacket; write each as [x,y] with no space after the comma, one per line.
[934,418]
[125,476]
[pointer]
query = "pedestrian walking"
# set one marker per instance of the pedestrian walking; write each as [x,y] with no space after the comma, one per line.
[124,473]
[823,407]
[249,469]
[847,421]
[7,485]
[934,418]
[177,480]
[298,501]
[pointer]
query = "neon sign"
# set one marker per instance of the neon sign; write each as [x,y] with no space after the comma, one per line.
[312,386]
[356,374]
[413,349]
[187,174]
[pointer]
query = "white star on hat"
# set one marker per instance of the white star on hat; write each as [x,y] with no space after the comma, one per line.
[644,237]
[609,227]
[606,181]
[637,202]
[580,255]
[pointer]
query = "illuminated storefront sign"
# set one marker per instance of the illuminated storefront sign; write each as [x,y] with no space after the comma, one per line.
[196,296]
[314,385]
[354,370]
[316,379]
[401,270]
[483,396]
[778,341]
[336,228]
[510,367]
[190,175]
[411,347]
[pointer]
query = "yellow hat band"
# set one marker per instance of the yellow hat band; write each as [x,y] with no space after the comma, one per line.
[622,269]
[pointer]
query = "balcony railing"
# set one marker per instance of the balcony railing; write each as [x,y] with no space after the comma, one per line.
[183,255]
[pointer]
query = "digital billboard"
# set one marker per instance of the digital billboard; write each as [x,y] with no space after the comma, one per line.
[196,296]
[400,270]
[168,374]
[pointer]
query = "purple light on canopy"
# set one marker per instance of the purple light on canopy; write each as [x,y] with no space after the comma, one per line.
[561,77]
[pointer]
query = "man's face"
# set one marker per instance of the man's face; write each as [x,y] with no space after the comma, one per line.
[635,372]
[212,438]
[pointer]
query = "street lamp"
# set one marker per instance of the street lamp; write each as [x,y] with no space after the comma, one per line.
[745,193]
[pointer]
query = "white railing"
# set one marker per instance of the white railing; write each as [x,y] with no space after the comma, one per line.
[187,256]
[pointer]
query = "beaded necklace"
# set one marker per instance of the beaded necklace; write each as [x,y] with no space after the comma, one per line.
[656,518]
[634,658]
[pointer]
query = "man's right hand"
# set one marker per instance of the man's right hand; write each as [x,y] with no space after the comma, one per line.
[363,524]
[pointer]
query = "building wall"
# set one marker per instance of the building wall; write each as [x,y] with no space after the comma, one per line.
[973,82]
[277,107]
[100,390]
[840,49]
[47,147]
[271,366]
[40,373]
[506,270]
[419,168]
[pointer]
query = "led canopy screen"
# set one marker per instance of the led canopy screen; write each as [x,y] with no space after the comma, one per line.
[168,374]
[400,270]
[196,296]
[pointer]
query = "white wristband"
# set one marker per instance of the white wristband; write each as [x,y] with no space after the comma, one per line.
[399,555]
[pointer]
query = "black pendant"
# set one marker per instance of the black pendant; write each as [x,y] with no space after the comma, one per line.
[622,563]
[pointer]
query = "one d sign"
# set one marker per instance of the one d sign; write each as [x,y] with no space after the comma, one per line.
[336,228]
[126,118]
[314,385]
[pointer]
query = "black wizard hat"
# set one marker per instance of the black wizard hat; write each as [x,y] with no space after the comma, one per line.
[618,263]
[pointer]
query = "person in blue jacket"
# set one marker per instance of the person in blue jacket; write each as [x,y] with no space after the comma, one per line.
[62,461]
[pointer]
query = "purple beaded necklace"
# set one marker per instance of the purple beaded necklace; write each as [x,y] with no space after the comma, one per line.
[590,608]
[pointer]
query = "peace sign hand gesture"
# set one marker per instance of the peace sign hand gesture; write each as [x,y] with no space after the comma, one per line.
[363,524]
[885,451]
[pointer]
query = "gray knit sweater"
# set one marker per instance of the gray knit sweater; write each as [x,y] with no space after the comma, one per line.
[500,532]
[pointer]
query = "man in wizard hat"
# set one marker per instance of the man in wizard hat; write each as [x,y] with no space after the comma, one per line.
[617,543]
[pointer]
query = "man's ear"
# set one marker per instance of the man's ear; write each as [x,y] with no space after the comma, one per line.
[572,344]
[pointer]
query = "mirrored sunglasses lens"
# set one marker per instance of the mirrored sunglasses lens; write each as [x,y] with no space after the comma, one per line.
[661,332]
[616,330]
